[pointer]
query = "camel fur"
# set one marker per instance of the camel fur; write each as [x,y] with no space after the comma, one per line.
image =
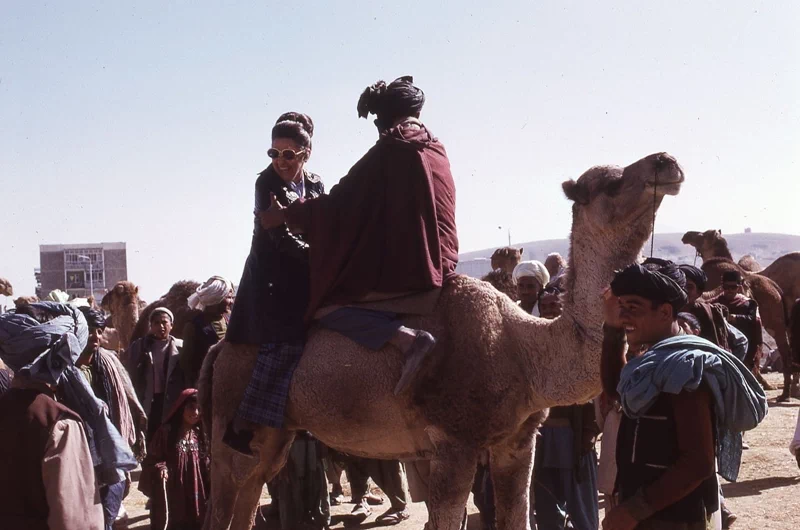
[122,301]
[492,373]
[749,263]
[6,289]
[176,301]
[785,271]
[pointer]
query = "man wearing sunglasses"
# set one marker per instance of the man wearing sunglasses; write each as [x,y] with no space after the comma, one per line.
[743,314]
[384,240]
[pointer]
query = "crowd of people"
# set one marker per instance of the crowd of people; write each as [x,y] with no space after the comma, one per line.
[677,367]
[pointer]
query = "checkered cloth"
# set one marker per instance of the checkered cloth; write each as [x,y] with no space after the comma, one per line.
[265,398]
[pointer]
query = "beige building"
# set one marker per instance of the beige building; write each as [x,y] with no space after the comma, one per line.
[82,269]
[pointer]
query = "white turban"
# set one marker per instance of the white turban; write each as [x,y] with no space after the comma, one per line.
[163,310]
[58,296]
[210,293]
[532,268]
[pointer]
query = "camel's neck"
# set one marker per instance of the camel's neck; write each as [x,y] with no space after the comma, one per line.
[718,250]
[578,334]
[125,319]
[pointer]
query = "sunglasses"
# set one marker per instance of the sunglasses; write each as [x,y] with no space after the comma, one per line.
[287,154]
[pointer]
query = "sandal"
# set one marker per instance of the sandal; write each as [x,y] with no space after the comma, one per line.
[392,517]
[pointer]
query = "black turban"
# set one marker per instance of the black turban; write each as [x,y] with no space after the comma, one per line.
[665,285]
[389,103]
[656,263]
[691,319]
[94,318]
[695,275]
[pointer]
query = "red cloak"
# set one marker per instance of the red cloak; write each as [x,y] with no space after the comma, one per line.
[388,226]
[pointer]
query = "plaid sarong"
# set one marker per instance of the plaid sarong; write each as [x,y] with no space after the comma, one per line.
[266,395]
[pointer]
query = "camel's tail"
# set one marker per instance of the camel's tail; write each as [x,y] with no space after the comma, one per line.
[205,384]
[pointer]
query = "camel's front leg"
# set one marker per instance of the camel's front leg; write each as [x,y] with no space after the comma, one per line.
[236,479]
[452,473]
[511,465]
[247,503]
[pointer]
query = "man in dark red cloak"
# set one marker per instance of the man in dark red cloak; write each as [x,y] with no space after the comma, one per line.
[386,231]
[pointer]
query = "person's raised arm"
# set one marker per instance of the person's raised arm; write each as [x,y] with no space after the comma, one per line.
[612,358]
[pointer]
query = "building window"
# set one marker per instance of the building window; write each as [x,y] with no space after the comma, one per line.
[76,279]
[73,256]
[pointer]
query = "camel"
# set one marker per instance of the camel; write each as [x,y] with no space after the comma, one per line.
[784,271]
[506,258]
[749,263]
[494,371]
[122,301]
[25,300]
[773,305]
[6,289]
[175,301]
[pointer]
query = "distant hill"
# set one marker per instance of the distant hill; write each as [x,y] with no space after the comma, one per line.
[765,247]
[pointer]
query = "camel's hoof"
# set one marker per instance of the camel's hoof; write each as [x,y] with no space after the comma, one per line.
[783,398]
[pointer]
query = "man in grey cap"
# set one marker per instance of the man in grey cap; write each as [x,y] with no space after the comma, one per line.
[154,368]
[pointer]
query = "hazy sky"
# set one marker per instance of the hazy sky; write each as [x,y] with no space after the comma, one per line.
[148,124]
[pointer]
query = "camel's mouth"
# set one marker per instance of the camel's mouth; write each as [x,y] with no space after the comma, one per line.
[670,187]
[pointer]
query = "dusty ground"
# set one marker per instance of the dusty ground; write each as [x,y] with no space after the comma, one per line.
[767,495]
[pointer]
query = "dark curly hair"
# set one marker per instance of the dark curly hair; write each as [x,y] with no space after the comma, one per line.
[295,126]
[389,103]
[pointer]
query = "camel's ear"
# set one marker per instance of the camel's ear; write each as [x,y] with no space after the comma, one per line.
[575,192]
[520,251]
[136,290]
[719,232]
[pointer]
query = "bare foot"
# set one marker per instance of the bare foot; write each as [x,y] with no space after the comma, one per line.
[422,345]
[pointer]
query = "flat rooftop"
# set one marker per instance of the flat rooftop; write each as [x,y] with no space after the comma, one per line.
[60,248]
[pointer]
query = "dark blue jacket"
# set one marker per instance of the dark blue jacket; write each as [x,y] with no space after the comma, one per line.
[274,290]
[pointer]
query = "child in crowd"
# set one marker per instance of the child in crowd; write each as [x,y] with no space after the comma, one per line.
[175,473]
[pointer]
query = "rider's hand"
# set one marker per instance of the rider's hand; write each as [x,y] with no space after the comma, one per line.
[619,518]
[272,217]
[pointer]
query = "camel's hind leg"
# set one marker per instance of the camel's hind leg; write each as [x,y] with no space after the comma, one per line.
[511,465]
[452,473]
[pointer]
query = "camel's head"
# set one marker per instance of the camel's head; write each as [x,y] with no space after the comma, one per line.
[25,300]
[123,294]
[506,259]
[704,242]
[6,288]
[611,202]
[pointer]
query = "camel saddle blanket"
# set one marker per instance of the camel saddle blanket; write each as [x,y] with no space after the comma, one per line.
[411,303]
